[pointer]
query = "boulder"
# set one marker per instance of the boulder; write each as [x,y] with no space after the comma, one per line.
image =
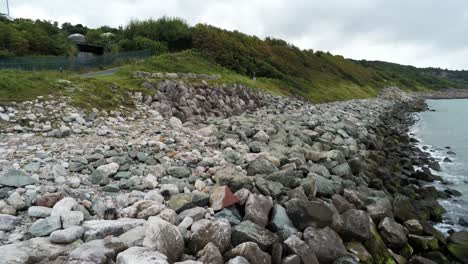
[257,209]
[100,251]
[356,225]
[261,165]
[43,227]
[16,178]
[248,231]
[346,260]
[141,255]
[134,237]
[210,254]
[39,211]
[233,178]
[423,243]
[179,172]
[304,213]
[8,222]
[296,246]
[222,197]
[217,232]
[358,250]
[325,243]
[98,229]
[34,250]
[251,252]
[280,220]
[238,260]
[414,227]
[393,233]
[458,245]
[380,209]
[164,237]
[67,235]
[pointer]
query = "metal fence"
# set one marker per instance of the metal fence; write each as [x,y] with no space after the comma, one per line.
[78,63]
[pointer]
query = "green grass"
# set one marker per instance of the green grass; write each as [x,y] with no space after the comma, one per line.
[111,92]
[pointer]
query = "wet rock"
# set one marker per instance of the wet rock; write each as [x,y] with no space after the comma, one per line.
[222,197]
[291,259]
[358,250]
[325,243]
[356,225]
[393,233]
[423,243]
[305,213]
[403,208]
[248,231]
[16,178]
[257,209]
[458,245]
[164,237]
[231,214]
[380,209]
[251,252]
[420,260]
[296,246]
[67,235]
[141,255]
[346,260]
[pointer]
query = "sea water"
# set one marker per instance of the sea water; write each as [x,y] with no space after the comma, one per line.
[442,131]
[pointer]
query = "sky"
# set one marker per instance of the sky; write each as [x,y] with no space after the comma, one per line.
[422,33]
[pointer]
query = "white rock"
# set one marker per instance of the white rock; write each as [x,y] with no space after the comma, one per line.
[63,206]
[109,169]
[175,122]
[165,238]
[141,255]
[72,218]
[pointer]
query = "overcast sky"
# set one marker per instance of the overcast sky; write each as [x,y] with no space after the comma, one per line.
[416,32]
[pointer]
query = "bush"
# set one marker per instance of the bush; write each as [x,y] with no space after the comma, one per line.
[174,32]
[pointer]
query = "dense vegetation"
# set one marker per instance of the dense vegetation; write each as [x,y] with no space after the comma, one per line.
[277,65]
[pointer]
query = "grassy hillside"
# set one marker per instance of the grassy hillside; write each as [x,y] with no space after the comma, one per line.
[414,78]
[279,67]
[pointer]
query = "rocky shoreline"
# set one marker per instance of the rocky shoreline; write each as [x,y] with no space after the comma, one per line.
[447,94]
[203,174]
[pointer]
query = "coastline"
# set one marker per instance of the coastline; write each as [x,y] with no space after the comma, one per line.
[445,94]
[278,176]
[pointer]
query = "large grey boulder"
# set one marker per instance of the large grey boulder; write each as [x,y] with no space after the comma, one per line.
[141,255]
[393,233]
[305,252]
[304,213]
[261,165]
[380,209]
[16,178]
[356,225]
[251,252]
[217,232]
[98,229]
[234,178]
[257,209]
[43,227]
[280,220]
[210,254]
[8,222]
[100,251]
[164,237]
[67,235]
[248,231]
[326,244]
[34,250]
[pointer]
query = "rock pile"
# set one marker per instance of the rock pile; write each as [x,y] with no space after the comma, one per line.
[290,182]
